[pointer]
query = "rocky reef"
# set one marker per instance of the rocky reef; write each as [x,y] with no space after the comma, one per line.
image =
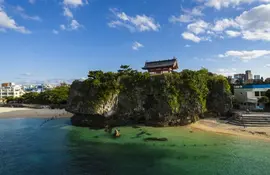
[131,97]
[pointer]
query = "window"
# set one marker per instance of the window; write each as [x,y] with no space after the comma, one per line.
[262,93]
[257,93]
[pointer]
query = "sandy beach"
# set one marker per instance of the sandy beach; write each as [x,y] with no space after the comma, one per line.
[32,113]
[218,126]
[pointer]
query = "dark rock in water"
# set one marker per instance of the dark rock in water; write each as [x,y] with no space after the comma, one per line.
[141,133]
[116,133]
[156,139]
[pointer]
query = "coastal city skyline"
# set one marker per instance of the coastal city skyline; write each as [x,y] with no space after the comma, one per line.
[79,35]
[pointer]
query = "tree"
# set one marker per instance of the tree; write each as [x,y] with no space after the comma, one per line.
[58,95]
[9,99]
[267,93]
[125,69]
[30,97]
[263,100]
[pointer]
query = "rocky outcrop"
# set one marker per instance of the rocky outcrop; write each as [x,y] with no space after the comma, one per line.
[219,100]
[164,100]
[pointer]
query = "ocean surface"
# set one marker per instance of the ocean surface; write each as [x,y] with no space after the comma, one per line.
[27,148]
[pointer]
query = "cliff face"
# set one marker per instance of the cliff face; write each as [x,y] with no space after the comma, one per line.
[134,97]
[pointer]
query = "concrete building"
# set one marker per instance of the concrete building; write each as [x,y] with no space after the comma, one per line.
[247,96]
[248,75]
[257,77]
[38,88]
[240,77]
[10,90]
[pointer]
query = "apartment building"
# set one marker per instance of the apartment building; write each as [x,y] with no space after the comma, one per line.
[248,95]
[10,90]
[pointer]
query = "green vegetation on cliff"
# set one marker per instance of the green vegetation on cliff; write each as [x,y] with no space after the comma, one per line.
[168,99]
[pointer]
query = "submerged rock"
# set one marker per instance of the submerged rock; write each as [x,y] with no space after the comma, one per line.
[156,139]
[116,133]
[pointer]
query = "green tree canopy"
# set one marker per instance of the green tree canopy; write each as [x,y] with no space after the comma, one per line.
[58,95]
[263,100]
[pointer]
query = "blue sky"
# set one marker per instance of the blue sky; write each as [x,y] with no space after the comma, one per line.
[53,40]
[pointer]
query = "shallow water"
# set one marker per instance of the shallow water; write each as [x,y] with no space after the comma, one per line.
[58,148]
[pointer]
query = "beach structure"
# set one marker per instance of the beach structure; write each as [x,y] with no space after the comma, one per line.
[162,66]
[10,90]
[247,96]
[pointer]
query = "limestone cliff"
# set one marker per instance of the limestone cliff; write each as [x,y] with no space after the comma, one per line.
[135,97]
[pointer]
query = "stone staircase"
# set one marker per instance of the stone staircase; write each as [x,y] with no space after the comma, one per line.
[250,119]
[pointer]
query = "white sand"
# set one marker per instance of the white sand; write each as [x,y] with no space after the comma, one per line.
[32,113]
[4,109]
[217,126]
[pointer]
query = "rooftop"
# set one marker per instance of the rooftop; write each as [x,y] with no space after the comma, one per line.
[161,63]
[254,86]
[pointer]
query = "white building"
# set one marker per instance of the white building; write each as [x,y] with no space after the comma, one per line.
[11,90]
[257,77]
[248,95]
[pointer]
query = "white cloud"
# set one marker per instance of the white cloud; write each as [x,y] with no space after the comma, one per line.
[22,13]
[188,15]
[187,45]
[181,18]
[232,33]
[223,24]
[68,6]
[55,32]
[73,3]
[7,22]
[191,36]
[198,27]
[225,71]
[256,35]
[74,25]
[26,74]
[196,11]
[32,1]
[255,23]
[218,4]
[139,23]
[136,46]
[67,12]
[245,55]
[62,27]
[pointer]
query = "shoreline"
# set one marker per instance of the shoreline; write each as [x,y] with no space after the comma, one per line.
[220,127]
[6,112]
[208,125]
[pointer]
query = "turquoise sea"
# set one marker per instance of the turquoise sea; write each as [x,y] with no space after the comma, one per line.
[27,148]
